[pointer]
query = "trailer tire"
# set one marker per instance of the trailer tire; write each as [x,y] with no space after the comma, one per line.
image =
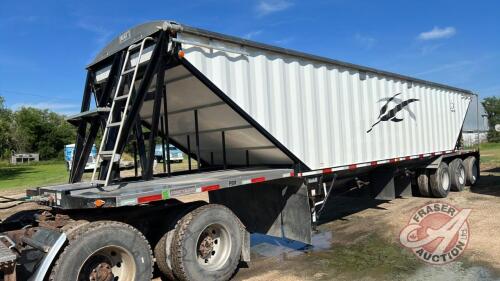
[471,170]
[423,183]
[216,235]
[107,246]
[163,249]
[440,181]
[457,175]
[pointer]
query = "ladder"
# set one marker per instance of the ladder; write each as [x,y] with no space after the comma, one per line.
[113,156]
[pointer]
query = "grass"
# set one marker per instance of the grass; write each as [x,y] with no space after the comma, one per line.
[54,172]
[23,176]
[33,175]
[490,153]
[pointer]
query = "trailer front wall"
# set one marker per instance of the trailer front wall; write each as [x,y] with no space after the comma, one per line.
[324,113]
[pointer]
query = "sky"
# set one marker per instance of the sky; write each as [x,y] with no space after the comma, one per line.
[46,45]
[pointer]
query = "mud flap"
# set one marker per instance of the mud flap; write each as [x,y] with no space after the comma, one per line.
[382,183]
[278,208]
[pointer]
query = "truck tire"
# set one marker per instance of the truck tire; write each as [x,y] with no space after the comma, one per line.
[423,183]
[440,181]
[457,175]
[163,249]
[215,234]
[471,170]
[114,250]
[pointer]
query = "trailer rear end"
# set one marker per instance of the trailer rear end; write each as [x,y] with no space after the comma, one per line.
[274,134]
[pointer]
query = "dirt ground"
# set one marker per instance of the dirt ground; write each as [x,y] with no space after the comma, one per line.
[359,240]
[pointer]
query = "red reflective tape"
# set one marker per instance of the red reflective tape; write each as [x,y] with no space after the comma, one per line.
[420,156]
[373,163]
[393,160]
[407,158]
[353,167]
[292,174]
[260,179]
[210,187]
[146,199]
[327,171]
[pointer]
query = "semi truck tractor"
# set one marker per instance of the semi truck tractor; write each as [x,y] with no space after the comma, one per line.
[272,132]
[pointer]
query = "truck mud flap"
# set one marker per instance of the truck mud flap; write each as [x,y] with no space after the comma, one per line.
[278,208]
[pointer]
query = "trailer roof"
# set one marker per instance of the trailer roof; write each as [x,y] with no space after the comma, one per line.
[138,32]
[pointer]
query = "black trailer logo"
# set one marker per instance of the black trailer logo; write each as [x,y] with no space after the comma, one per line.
[390,115]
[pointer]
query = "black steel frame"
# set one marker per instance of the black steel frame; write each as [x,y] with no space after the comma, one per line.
[144,143]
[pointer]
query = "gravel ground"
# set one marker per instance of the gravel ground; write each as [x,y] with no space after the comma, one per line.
[360,241]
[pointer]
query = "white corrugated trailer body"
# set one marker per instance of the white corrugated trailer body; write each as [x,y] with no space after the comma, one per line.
[321,112]
[329,115]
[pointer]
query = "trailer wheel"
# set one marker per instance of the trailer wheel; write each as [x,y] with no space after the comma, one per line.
[457,175]
[471,170]
[207,244]
[105,250]
[440,181]
[423,183]
[163,249]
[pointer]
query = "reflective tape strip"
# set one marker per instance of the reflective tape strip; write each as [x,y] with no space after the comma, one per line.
[210,187]
[327,171]
[342,168]
[127,202]
[259,179]
[150,198]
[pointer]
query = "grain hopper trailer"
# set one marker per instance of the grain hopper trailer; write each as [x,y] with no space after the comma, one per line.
[270,134]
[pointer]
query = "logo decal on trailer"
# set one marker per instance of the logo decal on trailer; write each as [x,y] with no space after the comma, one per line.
[390,115]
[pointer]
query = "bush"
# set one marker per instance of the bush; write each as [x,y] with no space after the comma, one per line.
[492,107]
[33,130]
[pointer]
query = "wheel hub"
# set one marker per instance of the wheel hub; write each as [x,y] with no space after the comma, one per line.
[213,247]
[102,272]
[206,246]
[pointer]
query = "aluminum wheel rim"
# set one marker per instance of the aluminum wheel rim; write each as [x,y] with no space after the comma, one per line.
[474,173]
[110,259]
[213,247]
[461,175]
[445,180]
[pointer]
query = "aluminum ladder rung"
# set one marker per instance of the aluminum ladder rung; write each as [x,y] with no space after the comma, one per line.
[128,71]
[118,96]
[114,124]
[122,97]
[98,182]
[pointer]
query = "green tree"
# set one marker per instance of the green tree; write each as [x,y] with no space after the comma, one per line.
[5,129]
[492,107]
[41,131]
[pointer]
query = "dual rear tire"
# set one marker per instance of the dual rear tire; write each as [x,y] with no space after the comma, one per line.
[205,244]
[438,182]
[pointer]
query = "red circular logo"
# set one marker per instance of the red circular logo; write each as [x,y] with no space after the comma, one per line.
[437,233]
